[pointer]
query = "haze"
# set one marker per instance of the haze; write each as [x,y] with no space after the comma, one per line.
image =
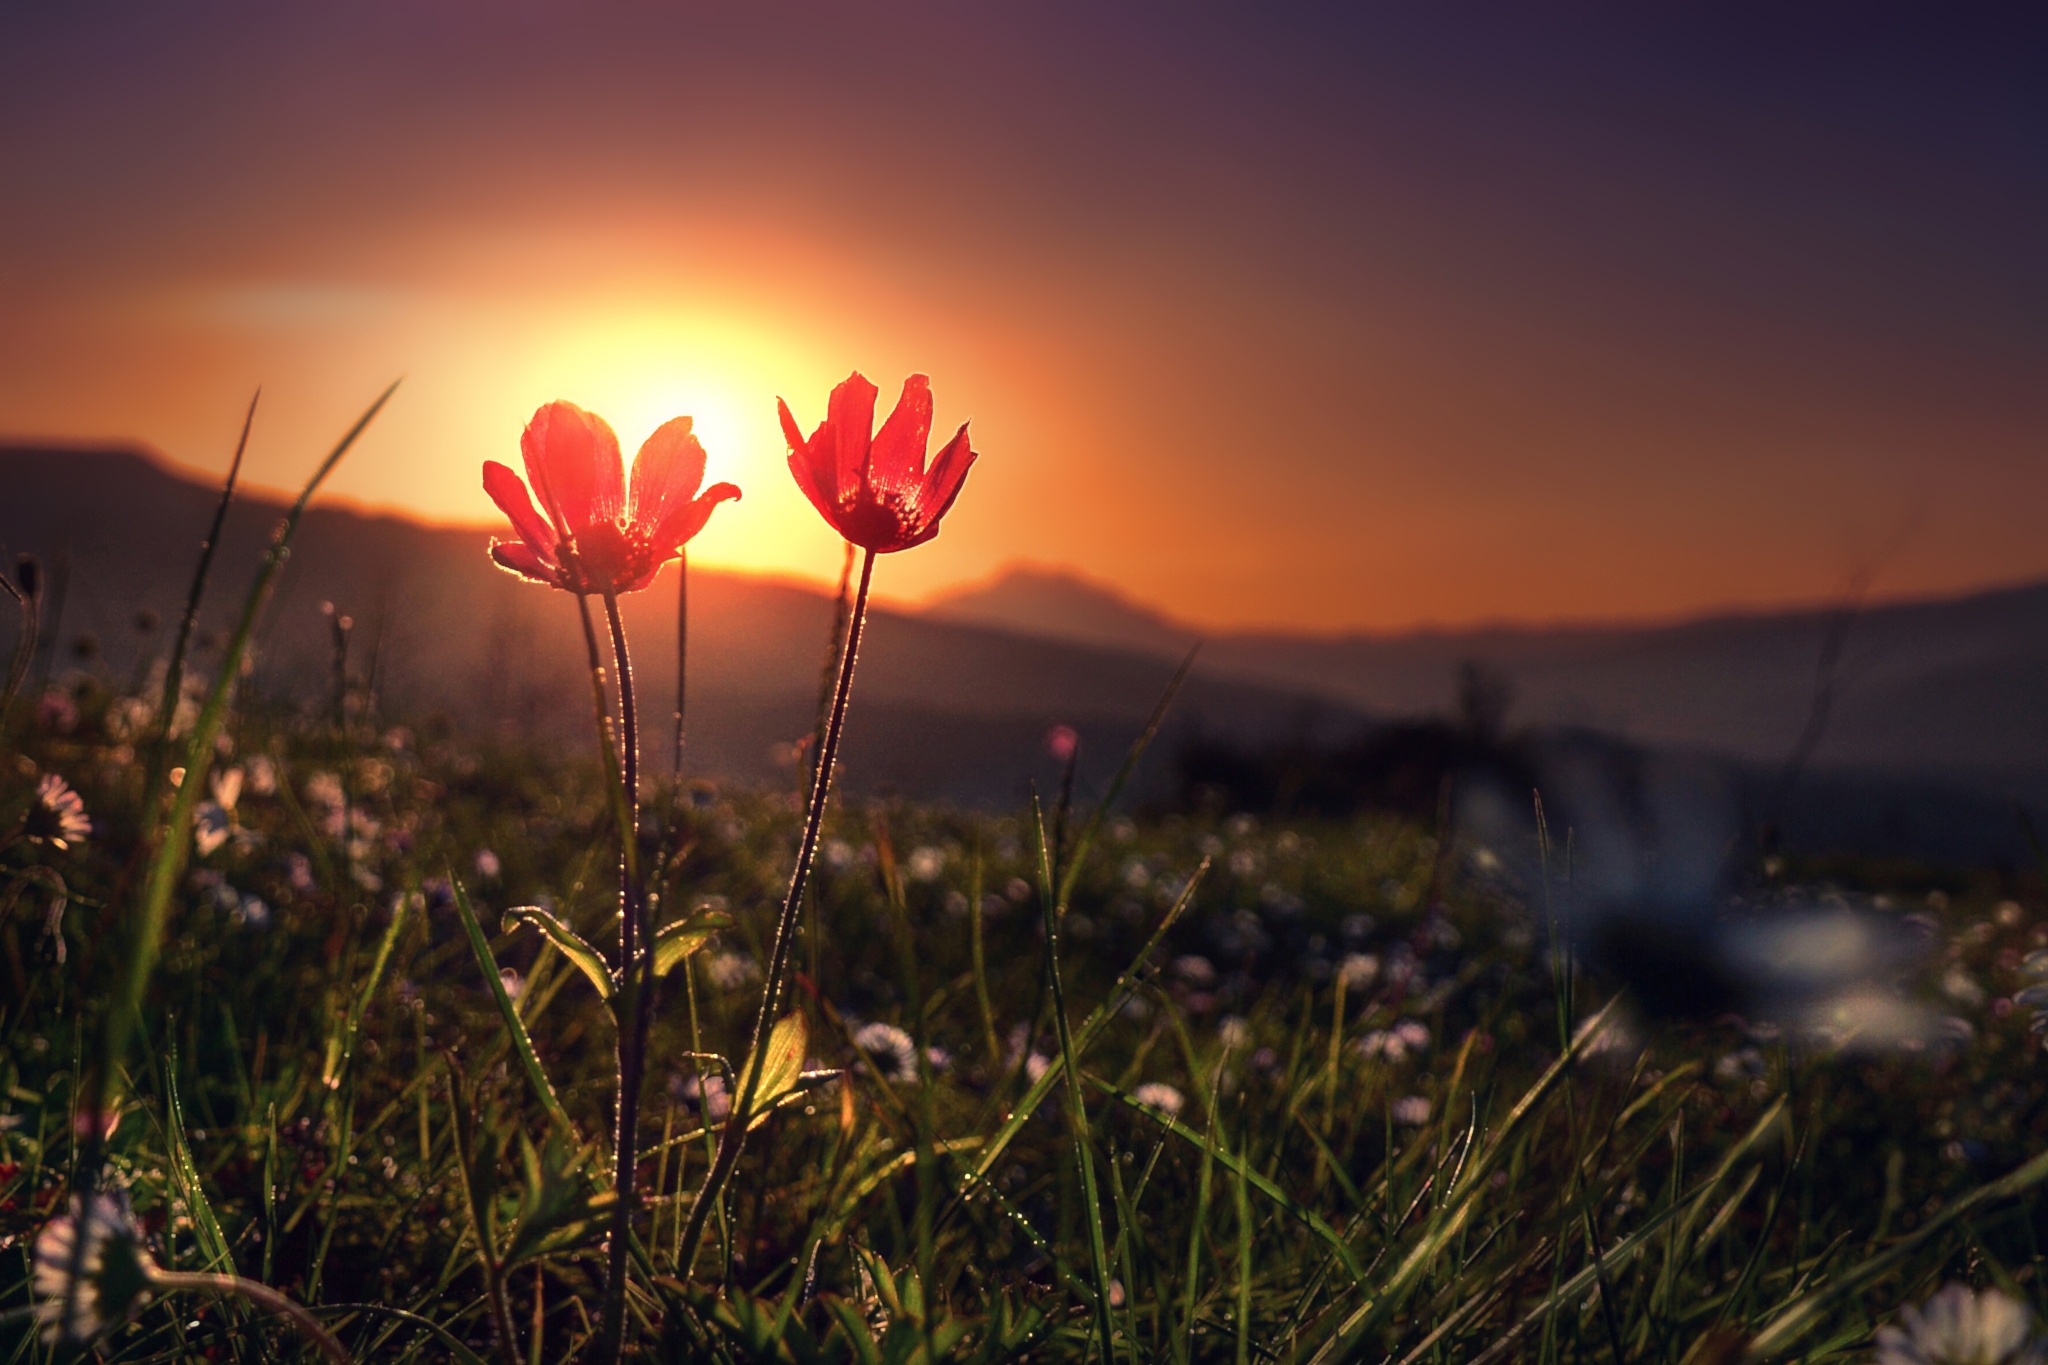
[1318,318]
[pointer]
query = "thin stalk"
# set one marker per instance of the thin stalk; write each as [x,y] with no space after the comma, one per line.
[682,655]
[734,1136]
[480,1217]
[263,1296]
[1077,1108]
[52,633]
[24,647]
[981,995]
[174,674]
[636,988]
[170,841]
[828,675]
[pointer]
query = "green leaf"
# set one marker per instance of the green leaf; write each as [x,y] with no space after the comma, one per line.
[571,944]
[674,942]
[782,1066]
[561,1205]
[515,1028]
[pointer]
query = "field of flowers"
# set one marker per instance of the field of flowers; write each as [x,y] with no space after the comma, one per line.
[322,1036]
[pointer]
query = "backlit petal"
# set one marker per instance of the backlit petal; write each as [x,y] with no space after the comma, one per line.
[942,483]
[688,518]
[508,490]
[791,432]
[851,416]
[812,474]
[806,478]
[510,554]
[666,473]
[573,463]
[896,460]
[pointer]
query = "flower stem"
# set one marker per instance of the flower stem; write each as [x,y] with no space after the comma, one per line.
[263,1296]
[635,999]
[734,1136]
[682,656]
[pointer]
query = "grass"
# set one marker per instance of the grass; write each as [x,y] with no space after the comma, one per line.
[332,1096]
[1175,1088]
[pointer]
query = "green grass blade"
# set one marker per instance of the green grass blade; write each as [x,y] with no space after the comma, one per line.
[167,863]
[1077,1108]
[1091,1029]
[1242,1169]
[1457,1206]
[1794,1322]
[572,945]
[515,1027]
[1072,872]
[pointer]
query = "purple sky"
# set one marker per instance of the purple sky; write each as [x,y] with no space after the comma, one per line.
[1326,316]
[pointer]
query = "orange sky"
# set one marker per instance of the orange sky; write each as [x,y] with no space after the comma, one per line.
[1315,321]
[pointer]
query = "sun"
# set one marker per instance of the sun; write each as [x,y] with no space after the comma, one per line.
[639,369]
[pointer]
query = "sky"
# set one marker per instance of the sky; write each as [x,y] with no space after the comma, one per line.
[1324,317]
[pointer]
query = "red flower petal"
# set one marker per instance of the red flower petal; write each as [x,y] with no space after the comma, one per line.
[943,482]
[666,473]
[896,459]
[815,476]
[508,490]
[851,416]
[512,555]
[573,463]
[688,519]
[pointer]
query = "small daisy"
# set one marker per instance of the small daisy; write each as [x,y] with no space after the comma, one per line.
[730,971]
[1161,1096]
[1957,1327]
[894,1054]
[1358,970]
[1410,1111]
[91,1272]
[58,816]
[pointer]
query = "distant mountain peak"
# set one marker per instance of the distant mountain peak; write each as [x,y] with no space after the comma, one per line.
[1057,603]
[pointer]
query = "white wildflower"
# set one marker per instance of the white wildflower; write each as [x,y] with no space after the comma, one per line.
[211,825]
[1161,1096]
[891,1049]
[1357,971]
[1957,1327]
[91,1272]
[58,816]
[729,971]
[1410,1111]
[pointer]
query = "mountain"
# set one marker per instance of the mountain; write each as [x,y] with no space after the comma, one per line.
[1957,686]
[1939,726]
[942,709]
[1057,605]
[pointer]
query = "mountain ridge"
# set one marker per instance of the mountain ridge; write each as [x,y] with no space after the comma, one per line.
[1953,689]
[1740,682]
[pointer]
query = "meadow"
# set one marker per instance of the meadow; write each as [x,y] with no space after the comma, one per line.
[317,1023]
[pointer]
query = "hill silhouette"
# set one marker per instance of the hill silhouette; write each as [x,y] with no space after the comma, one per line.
[1939,726]
[942,710]
[1953,686]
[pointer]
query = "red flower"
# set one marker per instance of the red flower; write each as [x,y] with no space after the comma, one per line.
[876,491]
[593,539]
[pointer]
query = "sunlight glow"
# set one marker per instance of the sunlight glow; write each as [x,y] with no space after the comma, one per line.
[640,368]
